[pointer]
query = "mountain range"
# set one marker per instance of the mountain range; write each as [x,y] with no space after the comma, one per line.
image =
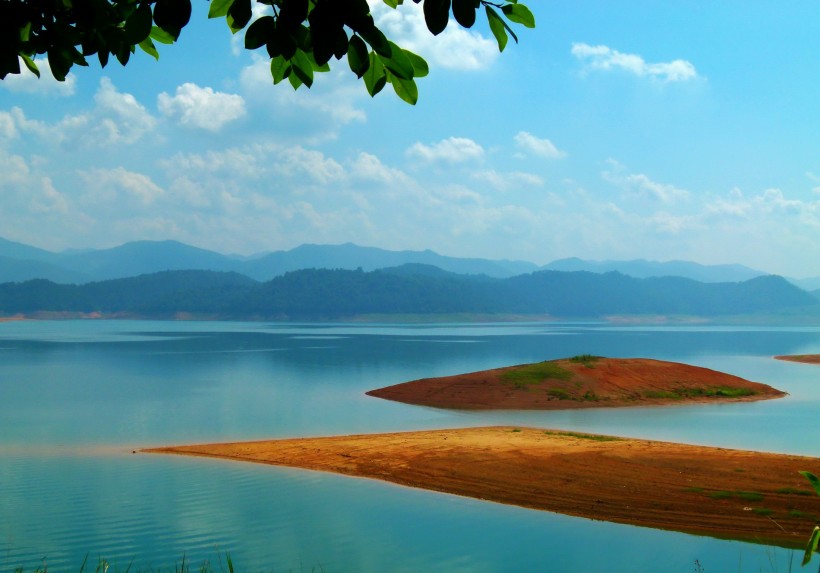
[327,294]
[20,262]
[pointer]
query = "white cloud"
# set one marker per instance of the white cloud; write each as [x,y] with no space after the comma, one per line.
[605,59]
[112,185]
[315,114]
[124,119]
[536,146]
[368,167]
[508,181]
[455,48]
[26,82]
[641,186]
[8,129]
[117,119]
[450,150]
[195,106]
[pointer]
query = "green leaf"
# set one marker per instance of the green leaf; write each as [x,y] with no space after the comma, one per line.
[30,65]
[239,14]
[25,32]
[259,32]
[377,40]
[375,78]
[172,15]
[148,47]
[519,14]
[420,67]
[815,481]
[60,62]
[219,8]
[161,35]
[436,15]
[392,3]
[405,89]
[399,64]
[280,68]
[812,545]
[464,12]
[497,27]
[295,81]
[357,57]
[138,25]
[302,68]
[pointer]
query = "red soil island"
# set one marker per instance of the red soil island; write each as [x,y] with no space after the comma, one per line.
[579,382]
[735,494]
[803,358]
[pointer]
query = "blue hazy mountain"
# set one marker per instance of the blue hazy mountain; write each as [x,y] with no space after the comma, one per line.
[641,268]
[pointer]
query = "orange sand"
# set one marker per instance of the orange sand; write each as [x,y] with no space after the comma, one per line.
[679,487]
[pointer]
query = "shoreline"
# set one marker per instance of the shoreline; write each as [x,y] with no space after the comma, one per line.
[733,494]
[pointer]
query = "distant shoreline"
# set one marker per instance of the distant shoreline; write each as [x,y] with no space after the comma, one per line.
[734,494]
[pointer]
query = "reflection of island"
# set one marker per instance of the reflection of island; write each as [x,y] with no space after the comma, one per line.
[579,382]
[713,491]
[802,358]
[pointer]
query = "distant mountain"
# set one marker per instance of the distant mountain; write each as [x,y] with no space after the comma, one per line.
[17,270]
[351,257]
[323,294]
[143,257]
[641,268]
[13,250]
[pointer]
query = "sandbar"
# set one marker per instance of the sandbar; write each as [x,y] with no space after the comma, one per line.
[734,494]
[802,358]
[579,382]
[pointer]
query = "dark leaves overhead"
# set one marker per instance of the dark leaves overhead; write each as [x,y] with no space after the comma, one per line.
[301,37]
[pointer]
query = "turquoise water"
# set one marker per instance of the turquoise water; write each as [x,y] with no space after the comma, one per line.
[76,397]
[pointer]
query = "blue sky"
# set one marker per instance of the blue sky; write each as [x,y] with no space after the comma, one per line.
[613,130]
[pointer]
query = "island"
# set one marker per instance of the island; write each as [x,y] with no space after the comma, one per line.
[802,358]
[719,492]
[583,381]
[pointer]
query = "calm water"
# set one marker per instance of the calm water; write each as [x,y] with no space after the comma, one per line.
[77,397]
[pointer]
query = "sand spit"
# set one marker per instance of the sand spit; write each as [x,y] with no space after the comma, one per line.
[802,358]
[719,492]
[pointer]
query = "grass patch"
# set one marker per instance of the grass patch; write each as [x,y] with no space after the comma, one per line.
[794,491]
[559,393]
[516,430]
[593,437]
[762,511]
[715,392]
[744,495]
[529,374]
[587,360]
[589,396]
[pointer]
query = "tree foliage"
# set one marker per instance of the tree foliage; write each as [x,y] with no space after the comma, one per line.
[301,37]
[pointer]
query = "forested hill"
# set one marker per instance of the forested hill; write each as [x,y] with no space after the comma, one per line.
[418,289]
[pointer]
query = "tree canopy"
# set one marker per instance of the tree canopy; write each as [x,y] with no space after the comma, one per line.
[301,37]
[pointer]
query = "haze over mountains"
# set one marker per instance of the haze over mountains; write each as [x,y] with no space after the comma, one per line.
[19,262]
[168,279]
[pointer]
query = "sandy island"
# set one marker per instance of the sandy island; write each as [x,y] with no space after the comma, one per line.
[579,382]
[724,493]
[803,358]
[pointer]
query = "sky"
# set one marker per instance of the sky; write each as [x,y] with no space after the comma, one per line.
[613,130]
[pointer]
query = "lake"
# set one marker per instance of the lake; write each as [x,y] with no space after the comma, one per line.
[76,397]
